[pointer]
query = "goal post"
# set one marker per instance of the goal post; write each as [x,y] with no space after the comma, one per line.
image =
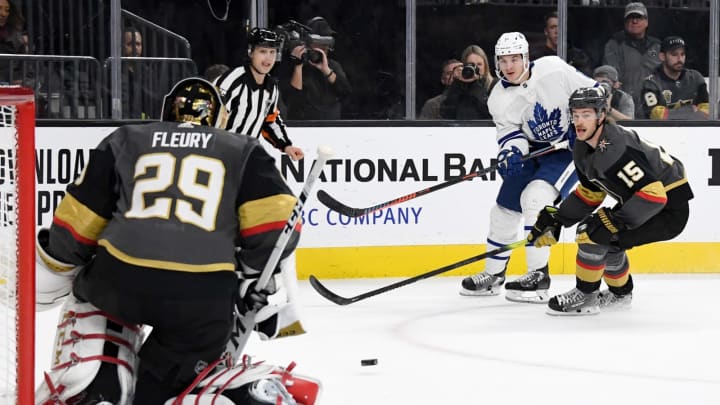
[17,245]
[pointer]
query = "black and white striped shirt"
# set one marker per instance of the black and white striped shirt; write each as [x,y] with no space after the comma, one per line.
[253,108]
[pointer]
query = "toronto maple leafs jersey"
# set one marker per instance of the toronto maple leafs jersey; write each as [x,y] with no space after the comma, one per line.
[535,113]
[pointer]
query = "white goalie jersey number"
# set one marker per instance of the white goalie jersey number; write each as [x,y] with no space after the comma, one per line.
[190,167]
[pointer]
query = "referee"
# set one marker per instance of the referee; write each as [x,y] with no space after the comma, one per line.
[251,95]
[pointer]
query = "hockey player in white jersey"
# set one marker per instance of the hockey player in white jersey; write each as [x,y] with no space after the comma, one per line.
[530,110]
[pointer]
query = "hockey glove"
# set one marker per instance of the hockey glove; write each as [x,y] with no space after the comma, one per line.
[251,300]
[600,228]
[53,278]
[546,230]
[509,161]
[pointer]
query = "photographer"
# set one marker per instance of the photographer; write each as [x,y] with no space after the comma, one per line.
[466,98]
[317,84]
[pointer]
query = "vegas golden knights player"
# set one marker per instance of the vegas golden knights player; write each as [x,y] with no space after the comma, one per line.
[147,235]
[651,191]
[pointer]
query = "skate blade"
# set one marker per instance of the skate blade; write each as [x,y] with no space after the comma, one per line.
[616,307]
[527,297]
[594,310]
[479,293]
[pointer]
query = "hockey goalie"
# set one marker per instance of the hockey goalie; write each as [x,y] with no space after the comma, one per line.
[153,254]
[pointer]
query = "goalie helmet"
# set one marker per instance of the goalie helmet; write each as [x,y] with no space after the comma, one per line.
[193,100]
[589,97]
[263,38]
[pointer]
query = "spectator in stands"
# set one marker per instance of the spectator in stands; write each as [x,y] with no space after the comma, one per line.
[317,83]
[632,52]
[621,103]
[214,71]
[467,96]
[137,80]
[13,39]
[673,92]
[431,109]
[576,57]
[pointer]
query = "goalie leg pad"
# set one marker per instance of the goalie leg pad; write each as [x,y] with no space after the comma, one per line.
[252,384]
[93,353]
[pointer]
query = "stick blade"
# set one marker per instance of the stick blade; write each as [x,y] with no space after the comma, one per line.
[329,295]
[335,205]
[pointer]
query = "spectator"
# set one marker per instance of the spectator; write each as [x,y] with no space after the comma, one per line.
[431,109]
[673,92]
[138,100]
[621,103]
[632,52]
[132,42]
[576,57]
[13,39]
[214,71]
[467,96]
[317,84]
[252,95]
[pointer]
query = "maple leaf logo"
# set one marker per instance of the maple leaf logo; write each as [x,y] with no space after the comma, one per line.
[543,126]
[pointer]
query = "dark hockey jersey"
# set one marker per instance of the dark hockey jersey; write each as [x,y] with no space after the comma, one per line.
[175,197]
[685,98]
[641,176]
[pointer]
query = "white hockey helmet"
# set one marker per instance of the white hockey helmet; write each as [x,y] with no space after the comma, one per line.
[511,43]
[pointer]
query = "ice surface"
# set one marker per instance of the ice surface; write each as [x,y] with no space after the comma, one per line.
[436,347]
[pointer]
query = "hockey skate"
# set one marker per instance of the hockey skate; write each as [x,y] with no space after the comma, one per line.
[573,303]
[530,288]
[483,284]
[609,301]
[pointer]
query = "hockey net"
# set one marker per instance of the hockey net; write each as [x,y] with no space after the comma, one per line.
[17,245]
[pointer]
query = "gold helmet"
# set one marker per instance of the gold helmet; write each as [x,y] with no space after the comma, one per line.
[193,100]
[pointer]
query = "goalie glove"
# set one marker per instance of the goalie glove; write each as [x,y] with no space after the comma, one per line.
[509,161]
[600,228]
[546,230]
[54,278]
[252,300]
[275,315]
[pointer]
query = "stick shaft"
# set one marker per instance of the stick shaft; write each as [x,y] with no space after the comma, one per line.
[324,154]
[337,206]
[337,299]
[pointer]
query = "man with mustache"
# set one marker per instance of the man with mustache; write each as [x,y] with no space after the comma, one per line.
[651,192]
[673,92]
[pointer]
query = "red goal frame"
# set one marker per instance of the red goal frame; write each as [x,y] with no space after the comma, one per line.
[23,100]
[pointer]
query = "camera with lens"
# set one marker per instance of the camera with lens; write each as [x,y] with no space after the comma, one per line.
[470,70]
[312,56]
[293,34]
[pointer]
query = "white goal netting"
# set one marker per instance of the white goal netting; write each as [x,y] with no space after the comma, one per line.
[8,257]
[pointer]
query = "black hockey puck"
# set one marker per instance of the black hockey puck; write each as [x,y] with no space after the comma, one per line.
[368,362]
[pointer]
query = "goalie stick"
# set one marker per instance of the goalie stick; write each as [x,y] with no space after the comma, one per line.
[248,320]
[343,209]
[324,154]
[337,299]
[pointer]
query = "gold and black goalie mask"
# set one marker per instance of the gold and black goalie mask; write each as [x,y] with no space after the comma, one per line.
[192,100]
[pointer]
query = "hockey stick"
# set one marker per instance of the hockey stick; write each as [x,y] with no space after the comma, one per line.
[343,209]
[337,299]
[246,322]
[324,154]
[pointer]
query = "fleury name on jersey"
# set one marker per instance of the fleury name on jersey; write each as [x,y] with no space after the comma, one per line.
[163,139]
